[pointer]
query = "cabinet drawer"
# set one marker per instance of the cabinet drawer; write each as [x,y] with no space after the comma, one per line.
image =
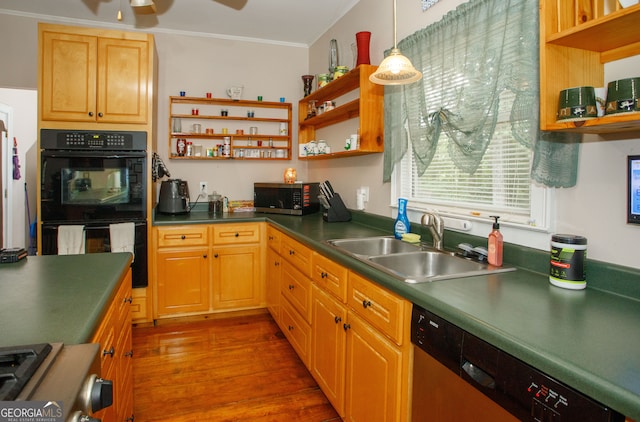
[297,254]
[297,331]
[382,309]
[274,238]
[329,276]
[182,236]
[297,289]
[229,234]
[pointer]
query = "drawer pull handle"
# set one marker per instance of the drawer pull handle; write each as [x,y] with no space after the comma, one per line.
[337,319]
[276,263]
[366,303]
[292,252]
[129,353]
[270,237]
[346,326]
[237,234]
[109,352]
[183,237]
[215,255]
[128,299]
[324,275]
[291,286]
[204,256]
[290,327]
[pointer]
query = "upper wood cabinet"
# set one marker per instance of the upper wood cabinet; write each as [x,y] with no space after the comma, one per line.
[576,39]
[94,76]
[368,107]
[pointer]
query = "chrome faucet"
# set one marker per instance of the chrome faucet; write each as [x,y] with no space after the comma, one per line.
[435,224]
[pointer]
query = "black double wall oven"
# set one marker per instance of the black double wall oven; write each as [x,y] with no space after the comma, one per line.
[94,179]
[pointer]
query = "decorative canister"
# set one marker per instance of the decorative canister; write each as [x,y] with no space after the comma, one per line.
[340,71]
[323,79]
[322,146]
[568,261]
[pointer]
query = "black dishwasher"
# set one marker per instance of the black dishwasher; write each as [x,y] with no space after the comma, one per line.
[459,373]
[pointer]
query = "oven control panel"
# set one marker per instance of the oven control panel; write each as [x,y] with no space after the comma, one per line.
[93,140]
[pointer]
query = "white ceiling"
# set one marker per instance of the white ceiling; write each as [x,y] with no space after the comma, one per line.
[297,22]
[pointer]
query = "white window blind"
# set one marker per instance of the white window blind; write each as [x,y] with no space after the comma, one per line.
[501,184]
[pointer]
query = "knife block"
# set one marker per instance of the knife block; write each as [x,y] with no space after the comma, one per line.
[337,212]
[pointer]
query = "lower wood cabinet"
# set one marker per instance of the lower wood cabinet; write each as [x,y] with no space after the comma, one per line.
[116,353]
[202,269]
[328,347]
[182,281]
[236,277]
[273,277]
[360,345]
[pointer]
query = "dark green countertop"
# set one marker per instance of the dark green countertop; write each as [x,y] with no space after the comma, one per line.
[48,299]
[588,339]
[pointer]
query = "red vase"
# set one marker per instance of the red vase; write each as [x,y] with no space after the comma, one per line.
[362,41]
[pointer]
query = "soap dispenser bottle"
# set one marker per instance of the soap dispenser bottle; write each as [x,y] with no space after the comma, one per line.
[402,225]
[495,244]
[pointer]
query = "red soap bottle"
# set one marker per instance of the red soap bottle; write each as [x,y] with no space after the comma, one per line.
[495,244]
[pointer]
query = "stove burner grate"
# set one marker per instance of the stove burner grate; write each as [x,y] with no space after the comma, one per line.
[17,365]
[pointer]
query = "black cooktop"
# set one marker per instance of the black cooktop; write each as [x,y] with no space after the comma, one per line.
[17,365]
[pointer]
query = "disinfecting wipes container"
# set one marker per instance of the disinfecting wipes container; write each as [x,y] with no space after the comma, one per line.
[568,259]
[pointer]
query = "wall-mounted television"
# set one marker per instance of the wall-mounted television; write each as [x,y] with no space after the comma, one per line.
[633,208]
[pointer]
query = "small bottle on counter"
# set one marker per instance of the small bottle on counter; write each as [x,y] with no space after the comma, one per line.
[495,242]
[189,149]
[402,224]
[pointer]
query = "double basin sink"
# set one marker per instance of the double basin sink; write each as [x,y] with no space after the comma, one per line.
[412,263]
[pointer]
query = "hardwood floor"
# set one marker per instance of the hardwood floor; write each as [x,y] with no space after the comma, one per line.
[231,369]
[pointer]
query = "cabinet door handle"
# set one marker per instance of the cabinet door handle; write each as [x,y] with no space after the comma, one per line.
[99,114]
[91,114]
[204,256]
[346,326]
[291,286]
[215,255]
[290,327]
[109,352]
[270,237]
[366,303]
[237,234]
[183,237]
[337,319]
[129,353]
[276,263]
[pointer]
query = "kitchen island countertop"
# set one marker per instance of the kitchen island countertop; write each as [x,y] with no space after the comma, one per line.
[52,298]
[588,339]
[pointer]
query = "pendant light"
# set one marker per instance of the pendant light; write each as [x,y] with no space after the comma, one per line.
[395,69]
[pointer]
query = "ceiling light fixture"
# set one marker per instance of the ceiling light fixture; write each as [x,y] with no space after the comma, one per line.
[395,69]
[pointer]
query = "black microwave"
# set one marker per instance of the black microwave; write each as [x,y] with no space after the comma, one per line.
[285,198]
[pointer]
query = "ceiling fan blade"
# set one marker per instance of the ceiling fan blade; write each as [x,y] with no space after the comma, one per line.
[234,4]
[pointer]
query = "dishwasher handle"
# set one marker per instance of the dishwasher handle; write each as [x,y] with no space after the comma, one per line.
[478,375]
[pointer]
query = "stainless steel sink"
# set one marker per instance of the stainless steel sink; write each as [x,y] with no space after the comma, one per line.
[371,246]
[412,263]
[422,266]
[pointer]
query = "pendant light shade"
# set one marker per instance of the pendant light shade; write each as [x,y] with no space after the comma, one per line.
[395,69]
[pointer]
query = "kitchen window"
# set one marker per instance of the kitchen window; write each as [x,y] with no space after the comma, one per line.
[465,141]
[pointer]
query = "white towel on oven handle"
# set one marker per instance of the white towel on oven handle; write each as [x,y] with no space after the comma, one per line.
[70,240]
[123,237]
